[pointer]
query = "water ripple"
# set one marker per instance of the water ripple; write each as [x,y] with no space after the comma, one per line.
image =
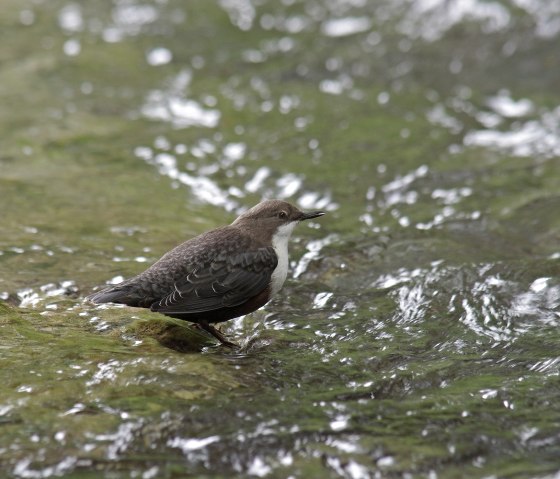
[342,27]
[536,136]
[540,137]
[29,297]
[431,19]
[24,468]
[170,105]
[206,189]
[540,303]
[484,301]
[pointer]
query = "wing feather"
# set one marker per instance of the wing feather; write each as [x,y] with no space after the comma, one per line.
[224,281]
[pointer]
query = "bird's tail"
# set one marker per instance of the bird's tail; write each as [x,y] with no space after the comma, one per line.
[120,294]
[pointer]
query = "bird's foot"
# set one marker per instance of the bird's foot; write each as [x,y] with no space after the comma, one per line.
[216,333]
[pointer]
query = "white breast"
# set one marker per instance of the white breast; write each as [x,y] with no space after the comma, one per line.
[280,245]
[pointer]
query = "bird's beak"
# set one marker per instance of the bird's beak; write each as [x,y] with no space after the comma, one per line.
[310,214]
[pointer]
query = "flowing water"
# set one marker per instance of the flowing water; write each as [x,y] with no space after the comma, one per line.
[418,332]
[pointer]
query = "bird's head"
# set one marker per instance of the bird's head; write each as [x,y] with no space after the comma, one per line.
[275,217]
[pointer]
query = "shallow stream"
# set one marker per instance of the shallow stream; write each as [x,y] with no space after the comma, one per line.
[418,332]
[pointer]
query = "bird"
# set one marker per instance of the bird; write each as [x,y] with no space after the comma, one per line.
[219,275]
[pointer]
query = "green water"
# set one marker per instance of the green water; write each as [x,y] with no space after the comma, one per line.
[418,332]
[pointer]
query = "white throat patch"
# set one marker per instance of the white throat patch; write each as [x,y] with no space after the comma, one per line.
[280,245]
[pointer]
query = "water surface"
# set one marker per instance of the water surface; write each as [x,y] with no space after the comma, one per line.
[417,334]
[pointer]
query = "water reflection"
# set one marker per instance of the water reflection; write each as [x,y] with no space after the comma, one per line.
[480,299]
[170,105]
[342,27]
[431,19]
[26,468]
[538,137]
[159,56]
[540,303]
[423,342]
[29,297]
[208,190]
[70,18]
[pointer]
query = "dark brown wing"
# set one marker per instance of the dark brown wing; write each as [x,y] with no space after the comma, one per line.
[225,281]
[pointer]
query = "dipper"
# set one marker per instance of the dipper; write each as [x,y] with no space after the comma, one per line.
[220,275]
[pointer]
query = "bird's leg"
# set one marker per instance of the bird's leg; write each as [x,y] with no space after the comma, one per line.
[217,334]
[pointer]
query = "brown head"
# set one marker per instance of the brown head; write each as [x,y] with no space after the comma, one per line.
[274,217]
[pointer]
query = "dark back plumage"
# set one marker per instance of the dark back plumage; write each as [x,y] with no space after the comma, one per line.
[220,268]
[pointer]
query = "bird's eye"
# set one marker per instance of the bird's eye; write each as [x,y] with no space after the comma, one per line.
[282,215]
